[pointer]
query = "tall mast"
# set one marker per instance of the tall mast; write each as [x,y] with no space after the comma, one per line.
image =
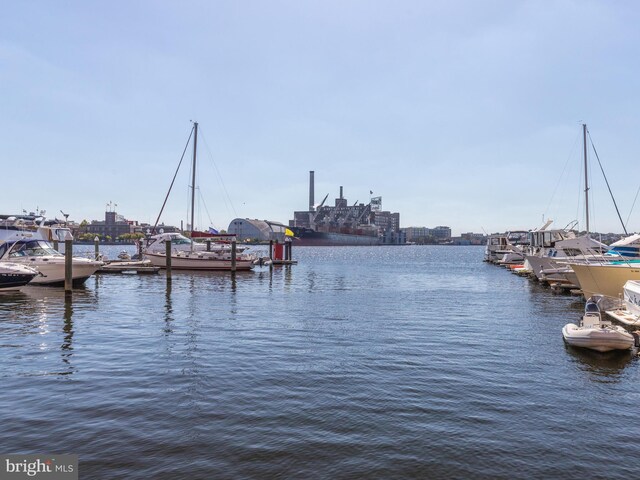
[193,177]
[586,178]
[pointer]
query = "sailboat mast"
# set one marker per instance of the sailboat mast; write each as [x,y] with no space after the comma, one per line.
[586,178]
[193,177]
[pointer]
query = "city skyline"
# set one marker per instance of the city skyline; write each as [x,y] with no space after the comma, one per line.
[465,114]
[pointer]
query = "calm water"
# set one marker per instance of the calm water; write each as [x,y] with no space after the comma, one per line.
[388,362]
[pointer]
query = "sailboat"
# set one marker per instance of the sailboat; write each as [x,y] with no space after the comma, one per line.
[606,276]
[185,253]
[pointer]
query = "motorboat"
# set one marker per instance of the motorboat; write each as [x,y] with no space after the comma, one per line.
[628,311]
[40,254]
[551,250]
[605,279]
[506,249]
[628,247]
[595,333]
[14,276]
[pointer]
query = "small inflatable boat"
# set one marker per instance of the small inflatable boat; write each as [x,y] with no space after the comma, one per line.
[596,333]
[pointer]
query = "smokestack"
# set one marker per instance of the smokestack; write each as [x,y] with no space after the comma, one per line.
[312,200]
[340,192]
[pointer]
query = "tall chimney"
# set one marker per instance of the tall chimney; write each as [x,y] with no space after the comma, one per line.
[341,193]
[312,200]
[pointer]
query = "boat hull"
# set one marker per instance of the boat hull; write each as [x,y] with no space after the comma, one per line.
[198,263]
[14,276]
[607,280]
[311,238]
[598,339]
[53,272]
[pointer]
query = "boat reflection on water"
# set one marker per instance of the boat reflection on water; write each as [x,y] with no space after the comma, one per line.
[605,367]
[40,320]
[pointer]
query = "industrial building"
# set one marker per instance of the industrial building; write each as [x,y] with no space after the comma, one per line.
[247,229]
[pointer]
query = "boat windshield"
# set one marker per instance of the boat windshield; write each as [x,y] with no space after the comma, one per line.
[180,240]
[33,248]
[591,307]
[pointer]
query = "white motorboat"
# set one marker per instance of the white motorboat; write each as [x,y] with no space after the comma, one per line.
[506,249]
[14,276]
[39,254]
[595,333]
[628,311]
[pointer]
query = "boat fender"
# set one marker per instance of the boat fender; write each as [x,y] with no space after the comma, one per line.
[636,338]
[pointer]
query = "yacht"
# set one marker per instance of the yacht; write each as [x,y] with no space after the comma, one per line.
[506,248]
[14,276]
[552,250]
[606,279]
[39,254]
[628,311]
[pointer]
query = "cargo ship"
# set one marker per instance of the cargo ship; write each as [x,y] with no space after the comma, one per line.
[313,238]
[342,224]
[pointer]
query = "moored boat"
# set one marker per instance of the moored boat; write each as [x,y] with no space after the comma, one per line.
[605,279]
[39,254]
[185,253]
[595,333]
[628,312]
[14,276]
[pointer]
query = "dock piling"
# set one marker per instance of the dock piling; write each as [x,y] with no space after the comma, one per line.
[68,263]
[168,259]
[233,255]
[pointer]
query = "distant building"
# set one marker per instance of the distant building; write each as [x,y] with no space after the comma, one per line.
[345,223]
[438,234]
[474,238]
[414,234]
[257,230]
[113,226]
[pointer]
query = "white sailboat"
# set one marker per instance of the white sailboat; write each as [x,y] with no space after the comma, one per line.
[185,253]
[595,333]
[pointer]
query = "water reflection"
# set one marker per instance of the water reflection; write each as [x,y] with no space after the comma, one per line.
[67,329]
[168,309]
[605,367]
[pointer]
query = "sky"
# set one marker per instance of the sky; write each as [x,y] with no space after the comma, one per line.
[462,113]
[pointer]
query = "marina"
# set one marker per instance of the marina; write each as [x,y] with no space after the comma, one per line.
[319,240]
[352,363]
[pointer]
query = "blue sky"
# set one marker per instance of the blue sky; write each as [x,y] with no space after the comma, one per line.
[463,113]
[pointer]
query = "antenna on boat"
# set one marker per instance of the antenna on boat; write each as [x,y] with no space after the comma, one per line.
[586,179]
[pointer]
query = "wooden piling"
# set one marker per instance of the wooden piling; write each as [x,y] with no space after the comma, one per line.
[68,263]
[233,255]
[168,259]
[96,247]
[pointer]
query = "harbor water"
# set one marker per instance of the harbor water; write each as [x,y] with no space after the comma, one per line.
[359,362]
